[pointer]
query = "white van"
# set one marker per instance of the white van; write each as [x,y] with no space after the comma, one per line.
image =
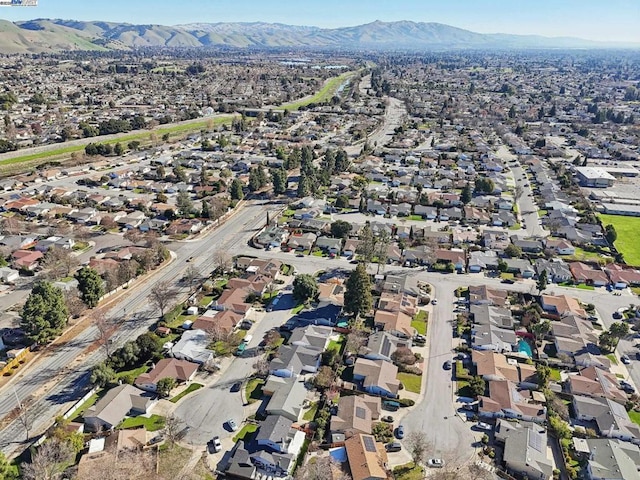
[247,339]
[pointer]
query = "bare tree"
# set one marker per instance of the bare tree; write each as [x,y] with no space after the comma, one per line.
[11,225]
[356,340]
[105,327]
[81,232]
[58,262]
[221,261]
[161,296]
[49,461]
[261,367]
[191,277]
[321,468]
[417,445]
[74,303]
[173,427]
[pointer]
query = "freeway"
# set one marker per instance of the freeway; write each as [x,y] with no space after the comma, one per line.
[60,376]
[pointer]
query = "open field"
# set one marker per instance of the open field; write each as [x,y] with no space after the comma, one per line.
[326,92]
[627,229]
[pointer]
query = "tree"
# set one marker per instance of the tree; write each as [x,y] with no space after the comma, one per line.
[356,339]
[357,295]
[49,461]
[340,228]
[367,246]
[305,288]
[325,377]
[90,285]
[542,281]
[543,372]
[58,262]
[465,195]
[165,385]
[222,261]
[607,342]
[45,313]
[161,296]
[279,179]
[541,329]
[236,190]
[477,385]
[417,445]
[105,328]
[513,251]
[118,149]
[403,356]
[5,470]
[321,468]
[184,203]
[102,374]
[610,234]
[191,277]
[173,428]
[619,330]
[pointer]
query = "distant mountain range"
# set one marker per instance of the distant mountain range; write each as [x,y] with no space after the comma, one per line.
[48,36]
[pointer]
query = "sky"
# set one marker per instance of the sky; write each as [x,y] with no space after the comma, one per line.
[602,20]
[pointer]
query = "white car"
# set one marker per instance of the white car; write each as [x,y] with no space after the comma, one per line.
[435,463]
[232,425]
[625,359]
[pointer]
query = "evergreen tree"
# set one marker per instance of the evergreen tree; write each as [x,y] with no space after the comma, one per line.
[236,190]
[542,282]
[303,187]
[305,288]
[184,203]
[90,285]
[44,314]
[357,295]
[279,179]
[465,195]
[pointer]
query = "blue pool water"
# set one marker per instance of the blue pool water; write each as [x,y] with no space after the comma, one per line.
[524,347]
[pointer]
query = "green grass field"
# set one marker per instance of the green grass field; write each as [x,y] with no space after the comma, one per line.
[627,229]
[152,423]
[634,416]
[411,382]
[326,92]
[191,388]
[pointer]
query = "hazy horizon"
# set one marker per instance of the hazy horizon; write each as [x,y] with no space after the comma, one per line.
[611,21]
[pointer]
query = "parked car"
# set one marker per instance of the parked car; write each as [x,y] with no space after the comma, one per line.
[233,426]
[625,359]
[447,365]
[393,447]
[387,419]
[435,463]
[434,301]
[214,445]
[484,426]
[157,439]
[627,387]
[236,386]
[400,432]
[617,315]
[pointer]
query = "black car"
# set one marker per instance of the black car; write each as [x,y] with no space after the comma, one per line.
[393,447]
[447,365]
[236,386]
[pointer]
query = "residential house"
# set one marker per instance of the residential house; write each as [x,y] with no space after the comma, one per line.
[8,275]
[377,377]
[398,302]
[329,245]
[367,458]
[331,293]
[272,236]
[234,299]
[214,322]
[495,366]
[287,397]
[426,212]
[455,256]
[527,245]
[293,360]
[526,451]
[192,347]
[506,400]
[560,305]
[355,414]
[621,277]
[112,408]
[301,241]
[610,417]
[481,294]
[350,247]
[182,371]
[276,433]
[574,336]
[398,323]
[609,459]
[595,382]
[26,259]
[520,267]
[483,260]
[381,345]
[560,246]
[557,270]
[583,273]
[312,336]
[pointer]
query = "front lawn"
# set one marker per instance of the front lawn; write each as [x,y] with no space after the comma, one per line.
[253,390]
[205,301]
[408,471]
[555,375]
[191,388]
[412,383]
[246,431]
[612,357]
[417,218]
[133,373]
[627,242]
[336,345]
[152,423]
[90,402]
[419,322]
[297,309]
[463,389]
